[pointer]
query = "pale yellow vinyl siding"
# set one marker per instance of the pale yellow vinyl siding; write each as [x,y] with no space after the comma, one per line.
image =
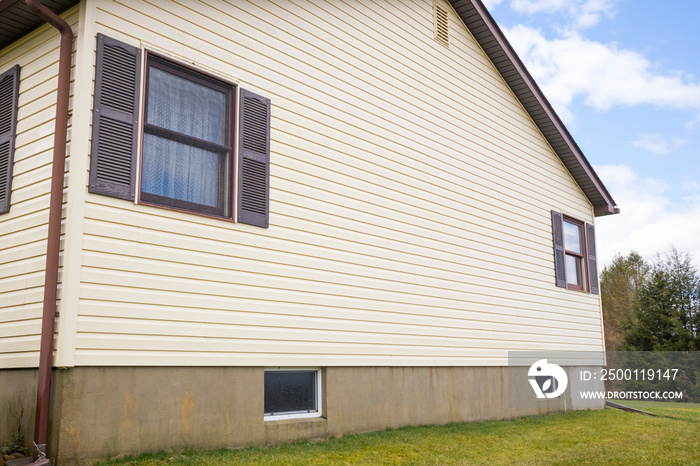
[410,204]
[23,230]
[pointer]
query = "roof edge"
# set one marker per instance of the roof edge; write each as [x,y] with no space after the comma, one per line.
[504,57]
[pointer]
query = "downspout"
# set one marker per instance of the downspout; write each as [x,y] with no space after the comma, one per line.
[54,235]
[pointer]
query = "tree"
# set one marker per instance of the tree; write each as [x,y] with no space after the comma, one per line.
[619,286]
[666,311]
[685,285]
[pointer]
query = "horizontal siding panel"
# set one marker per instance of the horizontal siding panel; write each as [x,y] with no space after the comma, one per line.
[111,297]
[370,254]
[40,97]
[43,122]
[31,175]
[209,280]
[34,154]
[20,344]
[440,223]
[19,359]
[381,336]
[41,45]
[211,295]
[194,344]
[358,240]
[28,279]
[25,296]
[291,315]
[22,252]
[29,192]
[88,357]
[25,265]
[23,312]
[29,227]
[18,329]
[164,248]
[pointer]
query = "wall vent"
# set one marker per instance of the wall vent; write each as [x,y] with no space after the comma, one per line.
[441,24]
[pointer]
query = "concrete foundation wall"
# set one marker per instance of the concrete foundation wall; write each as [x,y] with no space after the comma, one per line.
[17,389]
[100,412]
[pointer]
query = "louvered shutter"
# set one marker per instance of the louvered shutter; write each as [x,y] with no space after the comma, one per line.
[254,160]
[115,119]
[9,91]
[559,257]
[592,261]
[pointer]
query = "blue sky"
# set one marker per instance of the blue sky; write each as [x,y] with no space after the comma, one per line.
[624,76]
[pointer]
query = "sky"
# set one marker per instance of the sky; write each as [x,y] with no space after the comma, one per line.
[624,76]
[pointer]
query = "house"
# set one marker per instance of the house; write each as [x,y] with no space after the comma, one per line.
[278,220]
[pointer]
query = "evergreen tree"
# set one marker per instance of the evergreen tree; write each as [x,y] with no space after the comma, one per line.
[667,307]
[685,285]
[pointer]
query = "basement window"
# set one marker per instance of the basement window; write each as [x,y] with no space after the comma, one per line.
[292,393]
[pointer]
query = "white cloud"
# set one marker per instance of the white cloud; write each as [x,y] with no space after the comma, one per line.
[691,186]
[490,4]
[657,143]
[582,13]
[649,221]
[602,74]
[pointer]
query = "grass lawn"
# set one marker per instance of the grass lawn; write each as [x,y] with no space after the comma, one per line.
[607,436]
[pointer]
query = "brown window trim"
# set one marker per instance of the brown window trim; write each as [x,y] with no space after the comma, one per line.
[185,211]
[226,152]
[584,287]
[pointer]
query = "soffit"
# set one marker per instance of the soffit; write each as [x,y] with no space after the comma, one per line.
[16,19]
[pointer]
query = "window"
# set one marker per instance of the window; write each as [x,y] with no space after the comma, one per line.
[292,393]
[574,254]
[573,248]
[9,90]
[187,143]
[188,135]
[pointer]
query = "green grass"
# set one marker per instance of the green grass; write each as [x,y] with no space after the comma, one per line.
[607,436]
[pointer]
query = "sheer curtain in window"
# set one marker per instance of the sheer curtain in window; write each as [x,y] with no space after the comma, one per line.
[175,166]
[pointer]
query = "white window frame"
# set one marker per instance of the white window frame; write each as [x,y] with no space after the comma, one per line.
[304,414]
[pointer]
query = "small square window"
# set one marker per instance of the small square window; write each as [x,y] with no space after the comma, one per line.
[292,393]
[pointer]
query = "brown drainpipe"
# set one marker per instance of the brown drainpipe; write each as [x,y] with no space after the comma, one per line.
[55,207]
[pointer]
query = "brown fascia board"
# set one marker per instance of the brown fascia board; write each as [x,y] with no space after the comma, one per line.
[491,39]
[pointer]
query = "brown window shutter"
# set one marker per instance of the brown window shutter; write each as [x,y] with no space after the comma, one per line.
[592,261]
[559,258]
[115,119]
[254,160]
[9,92]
